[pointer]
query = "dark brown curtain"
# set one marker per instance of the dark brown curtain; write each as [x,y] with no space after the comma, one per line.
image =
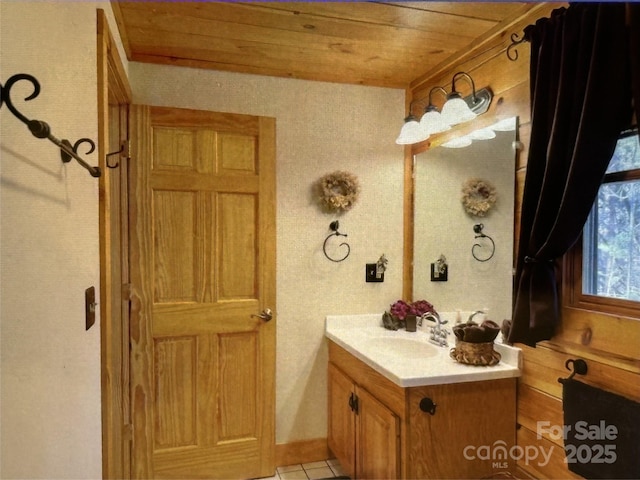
[580,102]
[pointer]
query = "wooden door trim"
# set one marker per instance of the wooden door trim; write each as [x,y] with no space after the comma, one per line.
[112,80]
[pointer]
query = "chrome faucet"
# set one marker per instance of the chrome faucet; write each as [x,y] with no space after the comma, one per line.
[437,334]
[477,312]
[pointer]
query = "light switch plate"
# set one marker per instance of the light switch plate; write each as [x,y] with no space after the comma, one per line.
[90,307]
[437,276]
[371,273]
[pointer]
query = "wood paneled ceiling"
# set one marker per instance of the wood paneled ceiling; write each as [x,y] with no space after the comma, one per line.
[365,43]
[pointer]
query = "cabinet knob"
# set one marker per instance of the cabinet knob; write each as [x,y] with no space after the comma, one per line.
[428,406]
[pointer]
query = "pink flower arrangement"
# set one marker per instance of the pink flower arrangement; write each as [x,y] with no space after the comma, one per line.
[401,309]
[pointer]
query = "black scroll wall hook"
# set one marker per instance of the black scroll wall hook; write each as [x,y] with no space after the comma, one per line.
[123,152]
[41,129]
[578,366]
[334,227]
[477,228]
[512,49]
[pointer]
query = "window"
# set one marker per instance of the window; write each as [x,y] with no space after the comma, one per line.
[606,263]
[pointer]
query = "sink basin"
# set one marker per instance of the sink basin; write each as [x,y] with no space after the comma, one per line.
[401,347]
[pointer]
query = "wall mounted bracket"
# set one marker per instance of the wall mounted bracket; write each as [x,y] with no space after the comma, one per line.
[40,129]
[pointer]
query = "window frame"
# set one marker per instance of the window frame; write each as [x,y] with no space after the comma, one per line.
[572,280]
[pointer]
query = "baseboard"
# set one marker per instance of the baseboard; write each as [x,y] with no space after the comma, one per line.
[302,451]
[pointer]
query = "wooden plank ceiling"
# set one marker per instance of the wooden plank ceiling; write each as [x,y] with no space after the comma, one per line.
[366,43]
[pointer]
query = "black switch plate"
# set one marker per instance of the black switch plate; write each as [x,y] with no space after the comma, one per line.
[437,276]
[371,273]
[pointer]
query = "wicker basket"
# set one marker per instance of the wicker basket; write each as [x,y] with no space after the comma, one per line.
[481,354]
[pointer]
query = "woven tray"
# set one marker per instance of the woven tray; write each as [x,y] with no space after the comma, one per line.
[481,354]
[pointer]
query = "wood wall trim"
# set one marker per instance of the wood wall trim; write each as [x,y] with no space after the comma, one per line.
[117,13]
[302,451]
[408,212]
[112,81]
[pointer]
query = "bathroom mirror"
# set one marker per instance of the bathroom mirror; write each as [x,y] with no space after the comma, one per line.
[442,227]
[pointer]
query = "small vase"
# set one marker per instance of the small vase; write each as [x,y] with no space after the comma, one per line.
[411,322]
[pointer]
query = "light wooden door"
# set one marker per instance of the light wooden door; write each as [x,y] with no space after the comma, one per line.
[202,226]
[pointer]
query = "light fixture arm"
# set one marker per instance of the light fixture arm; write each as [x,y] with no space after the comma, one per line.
[431,105]
[468,77]
[410,115]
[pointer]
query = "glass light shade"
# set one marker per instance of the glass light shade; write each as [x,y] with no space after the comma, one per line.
[411,132]
[455,110]
[432,122]
[459,142]
[482,134]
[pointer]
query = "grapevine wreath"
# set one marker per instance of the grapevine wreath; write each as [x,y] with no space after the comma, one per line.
[338,191]
[478,197]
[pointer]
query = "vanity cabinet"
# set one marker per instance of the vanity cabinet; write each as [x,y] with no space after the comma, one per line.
[363,433]
[390,436]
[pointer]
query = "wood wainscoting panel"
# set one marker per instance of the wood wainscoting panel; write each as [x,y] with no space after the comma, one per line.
[540,413]
[614,336]
[544,364]
[535,406]
[544,459]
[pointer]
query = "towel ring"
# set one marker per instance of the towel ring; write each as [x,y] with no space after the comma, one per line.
[334,227]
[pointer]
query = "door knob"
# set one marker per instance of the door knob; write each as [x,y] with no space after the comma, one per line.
[266,315]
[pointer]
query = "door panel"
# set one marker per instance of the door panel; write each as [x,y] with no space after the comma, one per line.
[378,439]
[237,252]
[342,426]
[177,234]
[175,364]
[202,267]
[238,385]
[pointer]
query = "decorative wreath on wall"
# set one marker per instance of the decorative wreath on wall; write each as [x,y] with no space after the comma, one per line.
[337,191]
[478,197]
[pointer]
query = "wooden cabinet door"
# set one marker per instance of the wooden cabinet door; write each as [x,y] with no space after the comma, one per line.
[341,435]
[378,439]
[202,196]
[468,416]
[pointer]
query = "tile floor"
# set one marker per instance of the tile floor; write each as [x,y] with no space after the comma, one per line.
[308,471]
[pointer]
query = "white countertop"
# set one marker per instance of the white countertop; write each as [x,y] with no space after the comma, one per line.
[358,333]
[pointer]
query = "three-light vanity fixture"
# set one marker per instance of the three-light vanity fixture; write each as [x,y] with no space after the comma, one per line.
[455,110]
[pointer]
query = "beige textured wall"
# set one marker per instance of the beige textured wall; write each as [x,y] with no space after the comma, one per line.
[50,366]
[321,127]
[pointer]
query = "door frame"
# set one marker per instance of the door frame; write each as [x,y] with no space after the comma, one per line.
[112,83]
